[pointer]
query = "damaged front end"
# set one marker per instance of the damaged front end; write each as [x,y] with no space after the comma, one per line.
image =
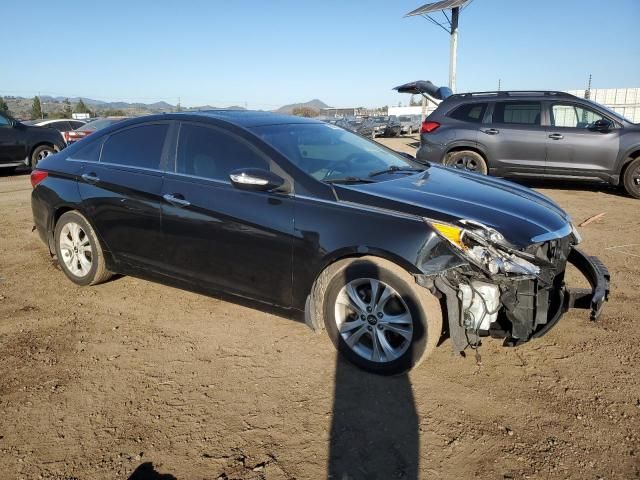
[492,288]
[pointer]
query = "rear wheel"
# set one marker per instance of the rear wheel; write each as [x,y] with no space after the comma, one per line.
[78,250]
[40,153]
[631,178]
[467,160]
[378,317]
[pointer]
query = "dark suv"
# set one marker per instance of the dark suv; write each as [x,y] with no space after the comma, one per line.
[22,144]
[533,134]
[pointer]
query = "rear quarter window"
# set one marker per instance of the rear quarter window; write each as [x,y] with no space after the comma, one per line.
[471,112]
[517,113]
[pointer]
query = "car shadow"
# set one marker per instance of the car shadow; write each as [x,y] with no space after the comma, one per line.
[14,172]
[374,428]
[146,471]
[572,186]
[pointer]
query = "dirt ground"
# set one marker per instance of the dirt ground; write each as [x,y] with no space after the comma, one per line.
[132,379]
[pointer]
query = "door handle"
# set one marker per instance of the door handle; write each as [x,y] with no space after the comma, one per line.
[491,131]
[90,177]
[556,136]
[176,200]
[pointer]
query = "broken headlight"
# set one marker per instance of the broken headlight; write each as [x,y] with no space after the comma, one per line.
[485,247]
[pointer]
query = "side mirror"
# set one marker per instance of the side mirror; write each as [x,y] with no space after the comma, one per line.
[602,125]
[256,179]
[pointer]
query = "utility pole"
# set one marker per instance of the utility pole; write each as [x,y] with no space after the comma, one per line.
[587,92]
[499,84]
[453,48]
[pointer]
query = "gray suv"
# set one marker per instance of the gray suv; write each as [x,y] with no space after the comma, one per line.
[533,134]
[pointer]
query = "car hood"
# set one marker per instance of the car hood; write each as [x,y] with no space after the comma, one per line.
[449,195]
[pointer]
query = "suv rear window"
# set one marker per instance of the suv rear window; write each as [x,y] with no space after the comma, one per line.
[471,112]
[520,113]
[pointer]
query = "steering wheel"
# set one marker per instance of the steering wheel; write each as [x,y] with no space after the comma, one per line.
[352,159]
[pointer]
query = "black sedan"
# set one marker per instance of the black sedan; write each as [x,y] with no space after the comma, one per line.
[370,245]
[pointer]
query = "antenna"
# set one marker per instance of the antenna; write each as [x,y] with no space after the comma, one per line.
[450,26]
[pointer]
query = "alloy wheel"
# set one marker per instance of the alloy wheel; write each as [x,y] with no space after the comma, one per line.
[44,154]
[373,320]
[466,163]
[76,250]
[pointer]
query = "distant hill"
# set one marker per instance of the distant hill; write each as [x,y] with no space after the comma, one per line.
[20,107]
[314,104]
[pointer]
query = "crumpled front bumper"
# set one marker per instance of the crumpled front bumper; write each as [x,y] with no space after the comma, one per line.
[592,298]
[597,275]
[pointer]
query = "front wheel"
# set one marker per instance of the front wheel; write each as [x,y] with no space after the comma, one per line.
[78,250]
[631,178]
[378,317]
[467,160]
[40,153]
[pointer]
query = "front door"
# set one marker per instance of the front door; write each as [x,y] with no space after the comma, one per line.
[12,142]
[235,240]
[574,147]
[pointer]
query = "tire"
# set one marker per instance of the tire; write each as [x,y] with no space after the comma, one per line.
[40,153]
[467,160]
[631,178]
[404,321]
[85,264]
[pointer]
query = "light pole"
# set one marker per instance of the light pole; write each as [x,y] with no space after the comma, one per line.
[450,26]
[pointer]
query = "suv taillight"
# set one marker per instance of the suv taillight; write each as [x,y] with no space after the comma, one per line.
[37,176]
[428,127]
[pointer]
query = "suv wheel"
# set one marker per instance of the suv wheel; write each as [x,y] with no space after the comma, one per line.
[40,153]
[378,317]
[631,178]
[78,250]
[467,160]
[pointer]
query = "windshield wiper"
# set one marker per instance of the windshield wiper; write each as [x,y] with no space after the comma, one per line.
[348,180]
[396,168]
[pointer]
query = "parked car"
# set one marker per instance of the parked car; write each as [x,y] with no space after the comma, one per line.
[541,134]
[312,218]
[91,127]
[63,125]
[409,124]
[361,126]
[22,144]
[386,126]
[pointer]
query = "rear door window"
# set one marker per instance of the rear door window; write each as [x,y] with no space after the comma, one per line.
[139,146]
[471,112]
[517,113]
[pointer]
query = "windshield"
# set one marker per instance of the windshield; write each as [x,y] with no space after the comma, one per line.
[405,119]
[327,152]
[611,112]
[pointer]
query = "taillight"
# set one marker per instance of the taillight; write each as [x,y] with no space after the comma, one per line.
[428,127]
[37,176]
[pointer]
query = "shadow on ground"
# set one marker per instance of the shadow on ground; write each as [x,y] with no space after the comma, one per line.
[146,471]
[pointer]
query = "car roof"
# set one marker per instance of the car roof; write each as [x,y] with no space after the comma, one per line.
[254,118]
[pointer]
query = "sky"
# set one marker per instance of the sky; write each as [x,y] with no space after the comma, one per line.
[263,54]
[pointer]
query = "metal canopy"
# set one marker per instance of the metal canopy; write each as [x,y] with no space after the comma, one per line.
[436,7]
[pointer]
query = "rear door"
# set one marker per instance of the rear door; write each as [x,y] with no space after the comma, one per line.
[515,140]
[574,147]
[122,192]
[216,235]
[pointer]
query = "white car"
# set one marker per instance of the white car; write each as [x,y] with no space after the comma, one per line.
[63,125]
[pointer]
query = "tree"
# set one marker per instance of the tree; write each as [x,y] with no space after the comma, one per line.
[81,108]
[36,109]
[4,108]
[66,108]
[304,112]
[413,102]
